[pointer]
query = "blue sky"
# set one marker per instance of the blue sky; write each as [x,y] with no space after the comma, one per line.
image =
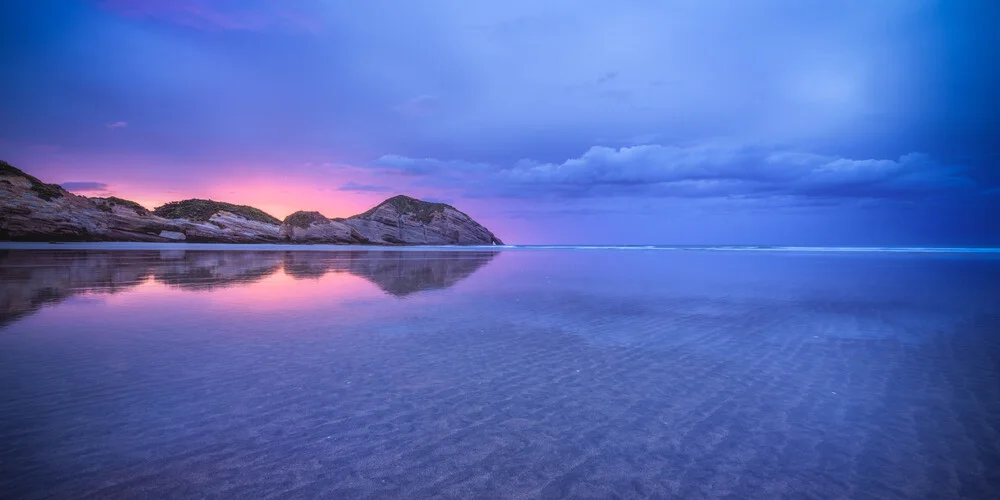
[560,121]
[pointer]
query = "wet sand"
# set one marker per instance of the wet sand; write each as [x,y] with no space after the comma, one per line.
[555,374]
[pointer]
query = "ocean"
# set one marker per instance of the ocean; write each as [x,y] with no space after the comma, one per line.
[265,371]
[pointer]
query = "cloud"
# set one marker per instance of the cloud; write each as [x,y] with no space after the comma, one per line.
[355,187]
[424,166]
[118,124]
[734,172]
[218,16]
[710,171]
[607,77]
[643,139]
[488,79]
[85,186]
[560,73]
[435,199]
[418,106]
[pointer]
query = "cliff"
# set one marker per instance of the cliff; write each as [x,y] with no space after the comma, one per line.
[313,227]
[31,210]
[405,220]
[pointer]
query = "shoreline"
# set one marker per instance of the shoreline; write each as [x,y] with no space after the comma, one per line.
[132,245]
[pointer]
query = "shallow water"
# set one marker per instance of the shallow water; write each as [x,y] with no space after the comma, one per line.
[569,373]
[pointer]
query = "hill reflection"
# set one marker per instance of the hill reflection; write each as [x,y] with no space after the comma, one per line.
[31,279]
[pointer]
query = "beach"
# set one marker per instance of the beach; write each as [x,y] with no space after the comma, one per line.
[555,373]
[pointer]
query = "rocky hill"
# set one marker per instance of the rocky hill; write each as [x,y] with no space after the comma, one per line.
[313,227]
[404,220]
[203,210]
[31,210]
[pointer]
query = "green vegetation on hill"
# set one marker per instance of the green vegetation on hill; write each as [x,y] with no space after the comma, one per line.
[203,210]
[305,219]
[47,192]
[111,201]
[423,211]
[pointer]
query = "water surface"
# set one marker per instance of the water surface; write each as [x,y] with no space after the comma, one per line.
[557,373]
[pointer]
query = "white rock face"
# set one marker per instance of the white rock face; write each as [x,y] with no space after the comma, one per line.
[173,235]
[313,227]
[64,216]
[230,228]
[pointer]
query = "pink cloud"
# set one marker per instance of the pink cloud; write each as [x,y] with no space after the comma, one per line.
[224,16]
[418,106]
[118,124]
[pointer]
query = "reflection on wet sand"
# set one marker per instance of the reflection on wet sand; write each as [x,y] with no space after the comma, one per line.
[551,374]
[31,279]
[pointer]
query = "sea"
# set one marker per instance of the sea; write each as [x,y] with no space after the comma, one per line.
[133,370]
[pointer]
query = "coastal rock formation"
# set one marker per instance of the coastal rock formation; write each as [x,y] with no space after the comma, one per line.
[402,220]
[213,221]
[31,210]
[313,227]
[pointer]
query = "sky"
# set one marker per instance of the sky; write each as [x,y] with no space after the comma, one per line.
[762,122]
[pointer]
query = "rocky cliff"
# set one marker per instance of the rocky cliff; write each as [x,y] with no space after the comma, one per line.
[405,220]
[31,210]
[313,227]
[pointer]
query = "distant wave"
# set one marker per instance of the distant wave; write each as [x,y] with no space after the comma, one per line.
[873,249]
[285,247]
[738,248]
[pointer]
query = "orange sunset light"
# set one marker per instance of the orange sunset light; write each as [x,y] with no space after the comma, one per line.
[279,291]
[283,292]
[276,197]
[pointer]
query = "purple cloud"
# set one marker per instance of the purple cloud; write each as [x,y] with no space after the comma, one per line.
[364,188]
[118,124]
[222,16]
[418,106]
[423,166]
[447,97]
[85,186]
[717,171]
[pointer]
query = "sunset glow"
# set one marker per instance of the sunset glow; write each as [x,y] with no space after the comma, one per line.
[605,123]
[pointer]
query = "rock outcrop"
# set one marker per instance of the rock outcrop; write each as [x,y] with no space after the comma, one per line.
[405,220]
[31,210]
[313,227]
